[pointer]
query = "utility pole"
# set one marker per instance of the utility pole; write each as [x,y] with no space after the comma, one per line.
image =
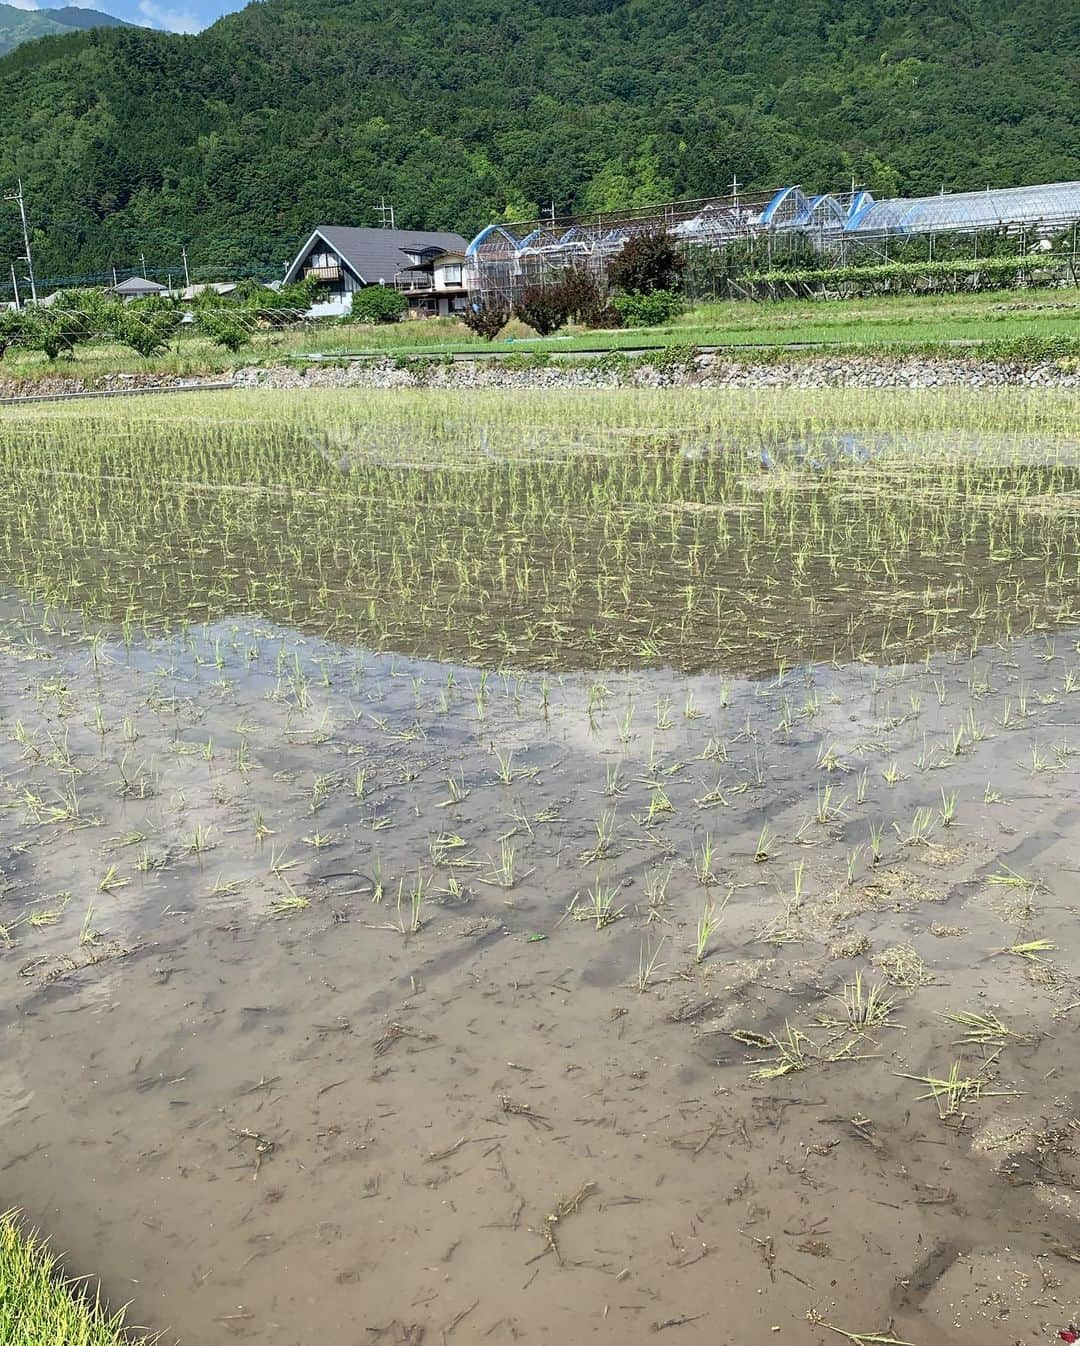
[15,286]
[19,198]
[187,278]
[386,214]
[142,263]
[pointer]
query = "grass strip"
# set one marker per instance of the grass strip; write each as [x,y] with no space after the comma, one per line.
[39,1305]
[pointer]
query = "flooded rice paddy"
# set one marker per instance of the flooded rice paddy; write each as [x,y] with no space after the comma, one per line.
[559,869]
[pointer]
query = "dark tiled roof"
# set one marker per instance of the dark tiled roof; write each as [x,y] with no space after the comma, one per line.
[378,254]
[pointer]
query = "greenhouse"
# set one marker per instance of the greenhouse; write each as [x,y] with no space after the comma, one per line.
[1050,207]
[504,259]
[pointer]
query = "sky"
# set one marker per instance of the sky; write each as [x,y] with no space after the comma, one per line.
[177,16]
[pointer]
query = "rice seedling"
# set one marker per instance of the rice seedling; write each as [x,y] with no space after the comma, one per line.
[827,810]
[864,1006]
[600,905]
[459,792]
[952,1091]
[983,1030]
[919,829]
[1031,950]
[761,849]
[288,904]
[656,882]
[504,871]
[280,862]
[659,803]
[410,907]
[1009,878]
[111,880]
[791,1050]
[200,841]
[605,835]
[703,862]
[829,760]
[649,964]
[87,933]
[690,708]
[707,925]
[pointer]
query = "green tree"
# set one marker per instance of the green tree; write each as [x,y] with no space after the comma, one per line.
[223,327]
[379,304]
[146,325]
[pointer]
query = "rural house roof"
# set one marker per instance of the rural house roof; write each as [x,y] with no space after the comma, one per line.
[374,255]
[138,285]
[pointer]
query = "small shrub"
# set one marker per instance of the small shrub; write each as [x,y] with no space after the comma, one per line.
[11,329]
[526,361]
[606,318]
[647,262]
[1032,348]
[673,359]
[52,330]
[543,308]
[145,325]
[486,320]
[648,310]
[611,362]
[578,293]
[379,304]
[223,327]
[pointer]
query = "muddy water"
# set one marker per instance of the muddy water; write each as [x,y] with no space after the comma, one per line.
[237,1083]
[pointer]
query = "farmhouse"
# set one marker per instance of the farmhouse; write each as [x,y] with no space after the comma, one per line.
[426,267]
[138,287]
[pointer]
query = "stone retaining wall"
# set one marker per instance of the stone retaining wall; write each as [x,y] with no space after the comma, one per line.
[706,371]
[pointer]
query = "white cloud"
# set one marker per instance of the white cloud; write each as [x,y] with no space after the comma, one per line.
[173,20]
[24,4]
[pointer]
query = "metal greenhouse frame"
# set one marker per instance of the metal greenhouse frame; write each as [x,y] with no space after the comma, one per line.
[506,258]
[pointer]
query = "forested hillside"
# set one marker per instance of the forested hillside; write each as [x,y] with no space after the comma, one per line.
[24,25]
[294,112]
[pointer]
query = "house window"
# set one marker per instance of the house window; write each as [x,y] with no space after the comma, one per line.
[451,275]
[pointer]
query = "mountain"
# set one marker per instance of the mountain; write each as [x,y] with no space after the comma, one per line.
[292,113]
[21,25]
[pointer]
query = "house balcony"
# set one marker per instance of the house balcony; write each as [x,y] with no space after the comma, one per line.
[323,273]
[418,282]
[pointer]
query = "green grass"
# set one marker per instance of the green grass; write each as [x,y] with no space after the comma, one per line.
[752,330]
[39,1306]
